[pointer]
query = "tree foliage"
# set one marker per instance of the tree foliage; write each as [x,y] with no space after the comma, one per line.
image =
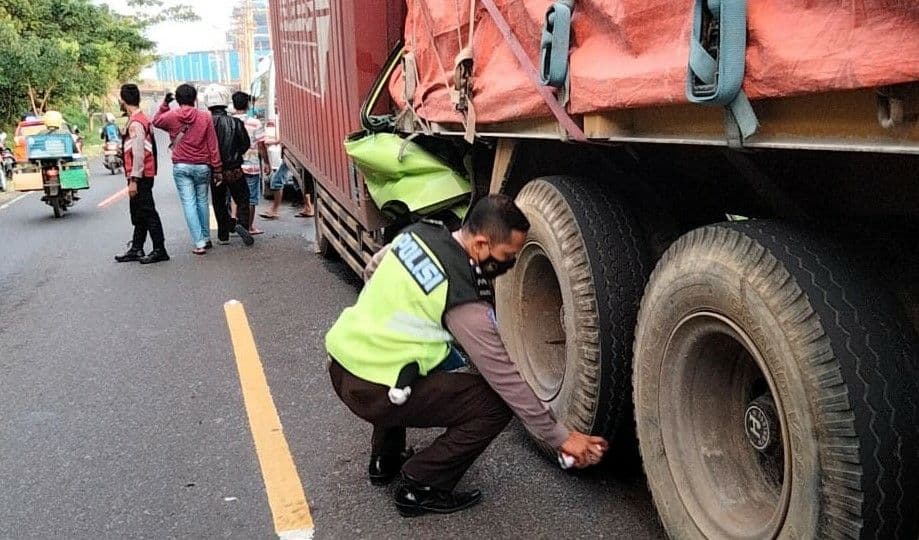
[58,52]
[150,12]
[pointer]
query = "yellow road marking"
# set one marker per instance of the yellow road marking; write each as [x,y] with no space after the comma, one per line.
[291,512]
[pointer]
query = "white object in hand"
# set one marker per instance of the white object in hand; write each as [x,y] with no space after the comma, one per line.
[565,461]
[398,396]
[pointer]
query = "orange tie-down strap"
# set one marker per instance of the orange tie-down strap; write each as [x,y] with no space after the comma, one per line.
[564,119]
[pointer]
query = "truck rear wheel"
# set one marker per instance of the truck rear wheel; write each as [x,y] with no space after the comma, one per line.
[775,391]
[571,302]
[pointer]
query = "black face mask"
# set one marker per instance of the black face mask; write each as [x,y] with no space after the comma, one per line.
[492,268]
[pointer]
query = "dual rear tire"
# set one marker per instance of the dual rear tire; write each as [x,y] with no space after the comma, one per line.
[775,386]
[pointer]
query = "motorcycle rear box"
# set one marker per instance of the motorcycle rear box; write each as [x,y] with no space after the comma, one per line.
[50,146]
[74,175]
[27,179]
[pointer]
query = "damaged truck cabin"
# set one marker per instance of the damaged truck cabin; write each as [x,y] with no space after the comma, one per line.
[724,201]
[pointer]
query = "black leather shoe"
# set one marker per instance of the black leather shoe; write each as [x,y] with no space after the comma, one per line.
[208,245]
[414,499]
[130,255]
[244,234]
[155,256]
[383,469]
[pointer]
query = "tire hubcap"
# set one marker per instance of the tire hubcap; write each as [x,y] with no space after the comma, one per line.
[761,423]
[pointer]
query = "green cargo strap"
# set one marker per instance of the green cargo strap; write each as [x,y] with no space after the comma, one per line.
[556,39]
[712,81]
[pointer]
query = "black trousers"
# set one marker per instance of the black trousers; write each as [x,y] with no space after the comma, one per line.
[239,191]
[461,402]
[144,217]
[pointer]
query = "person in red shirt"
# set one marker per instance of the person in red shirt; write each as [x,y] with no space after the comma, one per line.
[140,168]
[195,157]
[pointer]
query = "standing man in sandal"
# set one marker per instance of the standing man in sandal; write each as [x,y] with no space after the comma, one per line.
[427,289]
[140,168]
[256,161]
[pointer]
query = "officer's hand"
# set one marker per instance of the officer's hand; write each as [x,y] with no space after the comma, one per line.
[586,450]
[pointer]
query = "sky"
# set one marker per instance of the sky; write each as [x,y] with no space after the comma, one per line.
[206,34]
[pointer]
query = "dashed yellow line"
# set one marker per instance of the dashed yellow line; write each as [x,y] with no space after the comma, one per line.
[289,508]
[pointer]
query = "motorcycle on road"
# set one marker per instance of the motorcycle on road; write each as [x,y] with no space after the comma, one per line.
[112,157]
[55,168]
[7,162]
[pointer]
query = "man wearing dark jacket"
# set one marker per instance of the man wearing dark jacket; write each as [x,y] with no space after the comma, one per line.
[233,142]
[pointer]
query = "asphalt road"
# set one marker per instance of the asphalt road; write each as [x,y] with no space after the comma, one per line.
[122,415]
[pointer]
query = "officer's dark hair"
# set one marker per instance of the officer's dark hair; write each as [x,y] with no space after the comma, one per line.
[241,101]
[130,94]
[186,95]
[495,216]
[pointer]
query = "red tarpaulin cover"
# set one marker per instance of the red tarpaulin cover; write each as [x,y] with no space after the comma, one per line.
[632,53]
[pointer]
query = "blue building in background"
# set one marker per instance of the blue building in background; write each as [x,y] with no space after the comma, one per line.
[223,66]
[202,66]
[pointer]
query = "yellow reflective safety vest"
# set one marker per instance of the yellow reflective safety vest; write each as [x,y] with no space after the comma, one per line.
[398,317]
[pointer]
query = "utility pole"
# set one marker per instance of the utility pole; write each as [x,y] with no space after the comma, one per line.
[247,53]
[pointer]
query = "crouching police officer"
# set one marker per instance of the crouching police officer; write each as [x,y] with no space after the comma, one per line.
[427,289]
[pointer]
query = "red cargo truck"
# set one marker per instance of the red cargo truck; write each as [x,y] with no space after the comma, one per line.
[327,55]
[725,207]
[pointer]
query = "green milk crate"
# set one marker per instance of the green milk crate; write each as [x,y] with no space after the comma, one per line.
[74,175]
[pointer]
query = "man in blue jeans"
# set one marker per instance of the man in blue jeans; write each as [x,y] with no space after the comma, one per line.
[278,180]
[195,157]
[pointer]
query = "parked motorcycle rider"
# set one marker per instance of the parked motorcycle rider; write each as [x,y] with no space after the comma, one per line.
[7,160]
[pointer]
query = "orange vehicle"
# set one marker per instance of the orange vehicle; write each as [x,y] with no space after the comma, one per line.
[34,126]
[25,129]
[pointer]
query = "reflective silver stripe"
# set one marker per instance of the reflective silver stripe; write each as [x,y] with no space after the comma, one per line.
[128,145]
[419,328]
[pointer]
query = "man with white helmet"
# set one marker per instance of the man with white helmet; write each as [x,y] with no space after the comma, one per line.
[233,142]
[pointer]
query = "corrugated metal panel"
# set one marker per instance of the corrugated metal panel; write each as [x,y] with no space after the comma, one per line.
[328,54]
[217,66]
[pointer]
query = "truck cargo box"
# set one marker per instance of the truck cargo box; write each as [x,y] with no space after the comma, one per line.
[327,55]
